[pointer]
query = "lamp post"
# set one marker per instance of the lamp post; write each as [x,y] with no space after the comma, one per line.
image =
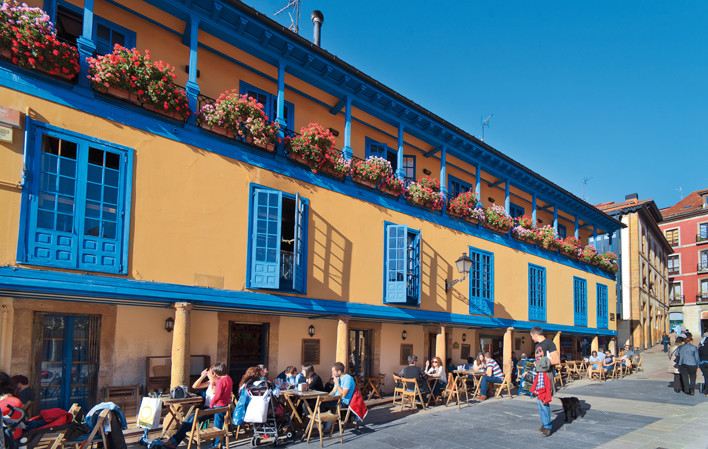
[464,265]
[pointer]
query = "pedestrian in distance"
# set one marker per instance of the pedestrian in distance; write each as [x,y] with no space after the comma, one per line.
[703,355]
[545,348]
[665,341]
[688,364]
[672,367]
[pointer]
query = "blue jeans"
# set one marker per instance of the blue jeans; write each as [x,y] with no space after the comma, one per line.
[545,411]
[187,426]
[485,380]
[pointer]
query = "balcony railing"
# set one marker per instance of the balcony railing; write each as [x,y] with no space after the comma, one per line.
[676,300]
[674,270]
[701,238]
[702,267]
[702,297]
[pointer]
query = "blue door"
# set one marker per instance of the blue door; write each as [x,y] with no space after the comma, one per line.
[68,361]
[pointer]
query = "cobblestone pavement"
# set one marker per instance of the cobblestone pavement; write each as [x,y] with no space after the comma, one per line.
[639,411]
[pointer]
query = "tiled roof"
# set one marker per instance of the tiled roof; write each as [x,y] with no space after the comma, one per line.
[692,203]
[612,206]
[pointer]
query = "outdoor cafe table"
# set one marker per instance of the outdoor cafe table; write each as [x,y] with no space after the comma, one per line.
[372,385]
[294,398]
[175,411]
[460,377]
[432,382]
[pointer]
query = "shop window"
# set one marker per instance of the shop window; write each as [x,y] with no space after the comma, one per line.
[602,306]
[78,201]
[481,282]
[537,293]
[401,265]
[580,301]
[278,244]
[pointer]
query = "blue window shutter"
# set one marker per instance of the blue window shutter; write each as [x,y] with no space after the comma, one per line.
[396,264]
[51,237]
[537,293]
[100,223]
[481,280]
[602,306]
[374,148]
[265,247]
[562,231]
[107,34]
[299,268]
[580,302]
[413,284]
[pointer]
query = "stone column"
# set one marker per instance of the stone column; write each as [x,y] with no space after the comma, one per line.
[508,347]
[342,354]
[612,346]
[557,341]
[441,344]
[180,345]
[595,344]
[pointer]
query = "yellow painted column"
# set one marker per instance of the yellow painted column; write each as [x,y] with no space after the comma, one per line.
[508,347]
[595,344]
[180,345]
[441,344]
[557,341]
[612,346]
[342,354]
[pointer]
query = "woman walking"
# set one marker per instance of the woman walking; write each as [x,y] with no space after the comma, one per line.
[688,364]
[703,355]
[672,367]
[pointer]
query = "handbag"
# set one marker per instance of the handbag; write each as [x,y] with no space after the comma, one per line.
[149,413]
[257,410]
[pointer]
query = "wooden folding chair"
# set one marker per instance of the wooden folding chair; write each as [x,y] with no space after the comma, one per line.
[60,439]
[209,432]
[318,417]
[598,373]
[456,385]
[86,440]
[499,387]
[559,376]
[637,363]
[411,394]
[397,389]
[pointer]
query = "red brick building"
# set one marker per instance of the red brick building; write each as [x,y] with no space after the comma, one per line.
[685,226]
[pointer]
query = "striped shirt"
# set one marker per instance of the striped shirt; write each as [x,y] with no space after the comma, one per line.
[496,371]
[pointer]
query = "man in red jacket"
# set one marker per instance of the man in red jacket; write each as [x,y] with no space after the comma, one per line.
[544,348]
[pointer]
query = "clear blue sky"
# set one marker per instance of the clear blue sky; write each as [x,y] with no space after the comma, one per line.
[613,91]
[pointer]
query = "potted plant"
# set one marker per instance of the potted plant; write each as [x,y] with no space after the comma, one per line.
[589,255]
[28,39]
[134,76]
[426,192]
[372,171]
[239,115]
[393,186]
[570,246]
[608,262]
[497,219]
[463,205]
[547,238]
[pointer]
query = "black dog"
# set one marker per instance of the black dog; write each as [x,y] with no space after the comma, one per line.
[572,405]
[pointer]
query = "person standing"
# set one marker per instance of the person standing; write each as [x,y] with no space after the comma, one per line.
[544,348]
[672,367]
[703,355]
[665,341]
[688,365]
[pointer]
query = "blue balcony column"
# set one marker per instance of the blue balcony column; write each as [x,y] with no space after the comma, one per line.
[50,7]
[594,235]
[555,218]
[577,228]
[478,182]
[400,173]
[280,107]
[347,150]
[85,44]
[192,86]
[443,177]
[507,201]
[533,209]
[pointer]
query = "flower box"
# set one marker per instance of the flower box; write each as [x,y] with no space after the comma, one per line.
[466,218]
[572,255]
[165,113]
[390,191]
[218,130]
[299,159]
[363,182]
[502,230]
[426,204]
[523,239]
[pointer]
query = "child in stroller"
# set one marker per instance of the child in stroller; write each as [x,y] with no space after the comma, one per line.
[265,411]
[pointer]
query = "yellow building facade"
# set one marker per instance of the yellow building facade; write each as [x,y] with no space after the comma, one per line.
[184,213]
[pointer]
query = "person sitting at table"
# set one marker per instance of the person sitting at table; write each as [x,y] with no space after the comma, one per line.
[314,382]
[494,374]
[293,377]
[223,386]
[608,361]
[264,371]
[449,367]
[595,360]
[437,371]
[480,364]
[415,372]
[204,383]
[627,356]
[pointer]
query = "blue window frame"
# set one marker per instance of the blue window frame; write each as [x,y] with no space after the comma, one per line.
[374,148]
[515,210]
[69,24]
[580,301]
[562,231]
[277,249]
[481,282]
[601,306]
[76,209]
[409,167]
[456,186]
[401,265]
[537,293]
[270,103]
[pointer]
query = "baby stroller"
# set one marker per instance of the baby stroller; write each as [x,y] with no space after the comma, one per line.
[8,427]
[271,425]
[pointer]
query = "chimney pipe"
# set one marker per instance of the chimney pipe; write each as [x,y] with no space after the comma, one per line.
[631,196]
[317,20]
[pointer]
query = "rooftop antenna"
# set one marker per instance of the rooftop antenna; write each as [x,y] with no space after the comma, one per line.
[294,21]
[585,181]
[680,191]
[485,122]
